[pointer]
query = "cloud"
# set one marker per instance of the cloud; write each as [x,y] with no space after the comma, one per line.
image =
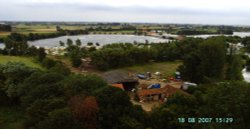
[164,11]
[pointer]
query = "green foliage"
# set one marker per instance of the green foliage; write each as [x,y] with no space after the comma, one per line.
[11,117]
[75,54]
[38,110]
[246,43]
[213,57]
[167,51]
[209,62]
[81,84]
[16,46]
[61,43]
[61,69]
[114,103]
[59,119]
[229,99]
[120,55]
[48,63]
[69,42]
[41,86]
[235,68]
[78,42]
[41,54]
[14,74]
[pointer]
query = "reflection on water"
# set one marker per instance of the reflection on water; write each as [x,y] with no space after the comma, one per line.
[246,75]
[102,39]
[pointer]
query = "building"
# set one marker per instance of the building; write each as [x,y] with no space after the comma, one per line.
[119,77]
[118,86]
[160,94]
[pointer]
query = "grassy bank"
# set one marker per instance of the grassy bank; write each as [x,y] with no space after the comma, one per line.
[166,68]
[29,61]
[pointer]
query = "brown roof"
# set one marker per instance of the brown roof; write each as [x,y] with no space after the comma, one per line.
[118,86]
[145,92]
[114,77]
[167,90]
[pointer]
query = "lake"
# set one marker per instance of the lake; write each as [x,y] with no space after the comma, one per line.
[240,34]
[246,75]
[107,39]
[101,39]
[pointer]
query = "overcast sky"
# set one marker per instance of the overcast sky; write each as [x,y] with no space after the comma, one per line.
[230,12]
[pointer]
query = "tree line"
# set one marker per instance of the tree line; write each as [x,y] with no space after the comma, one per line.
[5,27]
[200,32]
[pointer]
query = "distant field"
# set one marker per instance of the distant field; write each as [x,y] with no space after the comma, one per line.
[25,29]
[26,60]
[114,32]
[4,34]
[166,68]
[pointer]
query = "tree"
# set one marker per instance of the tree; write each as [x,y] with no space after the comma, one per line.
[85,110]
[69,42]
[76,61]
[40,109]
[32,51]
[48,63]
[234,71]
[61,43]
[82,85]
[41,54]
[204,61]
[190,69]
[75,54]
[212,54]
[227,100]
[59,67]
[59,119]
[41,85]
[14,74]
[114,104]
[78,42]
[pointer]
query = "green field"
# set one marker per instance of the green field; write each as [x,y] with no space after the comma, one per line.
[11,118]
[26,29]
[166,68]
[26,60]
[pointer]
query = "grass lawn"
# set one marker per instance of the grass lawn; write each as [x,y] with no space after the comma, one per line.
[166,68]
[11,117]
[29,61]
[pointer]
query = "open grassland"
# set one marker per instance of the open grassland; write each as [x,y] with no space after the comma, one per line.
[25,29]
[26,60]
[166,68]
[11,118]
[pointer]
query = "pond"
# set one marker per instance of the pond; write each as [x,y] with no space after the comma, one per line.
[101,39]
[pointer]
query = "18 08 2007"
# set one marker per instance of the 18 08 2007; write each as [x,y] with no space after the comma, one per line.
[205,120]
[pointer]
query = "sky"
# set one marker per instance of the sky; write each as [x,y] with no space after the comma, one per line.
[226,12]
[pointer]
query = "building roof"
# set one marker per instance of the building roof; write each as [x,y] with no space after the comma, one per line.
[167,90]
[145,92]
[114,77]
[118,86]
